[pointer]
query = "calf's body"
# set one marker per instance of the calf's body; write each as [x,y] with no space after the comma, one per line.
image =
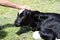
[48,24]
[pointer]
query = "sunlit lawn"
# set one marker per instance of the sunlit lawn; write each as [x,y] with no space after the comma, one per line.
[8,16]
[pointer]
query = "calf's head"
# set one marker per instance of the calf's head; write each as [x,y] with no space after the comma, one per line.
[25,17]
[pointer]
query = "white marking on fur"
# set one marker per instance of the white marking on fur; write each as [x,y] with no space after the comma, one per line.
[20,11]
[36,35]
[57,39]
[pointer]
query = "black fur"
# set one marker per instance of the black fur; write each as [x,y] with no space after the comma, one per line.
[47,23]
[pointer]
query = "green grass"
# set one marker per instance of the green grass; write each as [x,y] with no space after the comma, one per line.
[8,15]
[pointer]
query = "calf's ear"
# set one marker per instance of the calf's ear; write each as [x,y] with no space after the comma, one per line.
[18,14]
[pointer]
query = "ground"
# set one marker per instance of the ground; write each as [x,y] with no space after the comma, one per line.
[8,16]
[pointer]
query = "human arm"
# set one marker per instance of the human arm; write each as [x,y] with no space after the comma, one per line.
[7,3]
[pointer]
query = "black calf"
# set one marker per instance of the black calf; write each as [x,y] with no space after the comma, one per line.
[47,23]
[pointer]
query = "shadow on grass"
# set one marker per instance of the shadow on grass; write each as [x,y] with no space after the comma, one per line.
[23,30]
[2,34]
[5,26]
